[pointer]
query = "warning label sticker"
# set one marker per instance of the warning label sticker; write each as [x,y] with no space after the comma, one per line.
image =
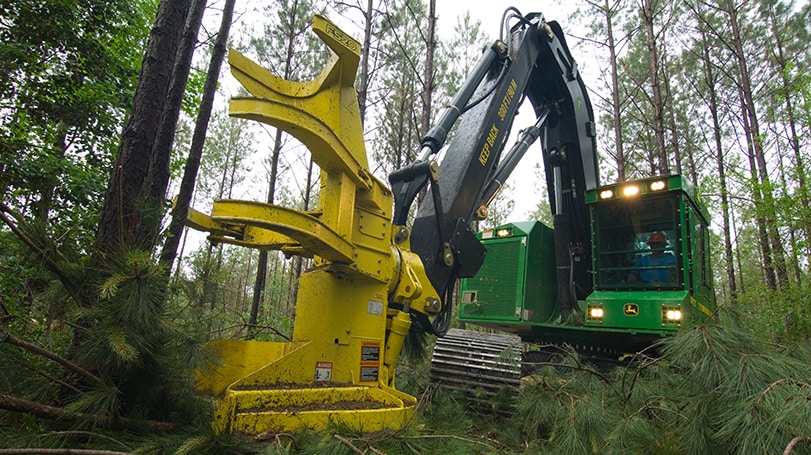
[369,350]
[368,373]
[323,371]
[369,361]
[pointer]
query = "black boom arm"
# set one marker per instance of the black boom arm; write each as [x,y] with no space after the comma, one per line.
[533,63]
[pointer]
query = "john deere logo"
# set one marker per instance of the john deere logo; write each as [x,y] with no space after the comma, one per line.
[631,309]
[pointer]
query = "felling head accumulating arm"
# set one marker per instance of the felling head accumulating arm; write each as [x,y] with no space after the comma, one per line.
[530,62]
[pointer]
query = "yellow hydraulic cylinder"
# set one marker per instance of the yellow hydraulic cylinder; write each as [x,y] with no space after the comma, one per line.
[398,329]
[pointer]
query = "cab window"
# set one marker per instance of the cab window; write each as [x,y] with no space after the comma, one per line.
[637,244]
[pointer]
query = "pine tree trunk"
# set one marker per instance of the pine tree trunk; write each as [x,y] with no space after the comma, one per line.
[261,270]
[794,140]
[249,268]
[741,282]
[363,77]
[794,263]
[272,290]
[428,75]
[157,179]
[122,210]
[763,236]
[663,166]
[259,285]
[181,208]
[710,80]
[262,264]
[615,94]
[671,118]
[776,259]
[299,260]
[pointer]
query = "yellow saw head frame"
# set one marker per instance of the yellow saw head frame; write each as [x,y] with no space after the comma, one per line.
[352,309]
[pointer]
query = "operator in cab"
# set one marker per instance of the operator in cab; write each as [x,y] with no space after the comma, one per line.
[657,267]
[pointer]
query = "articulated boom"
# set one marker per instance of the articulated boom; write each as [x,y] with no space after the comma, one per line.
[339,366]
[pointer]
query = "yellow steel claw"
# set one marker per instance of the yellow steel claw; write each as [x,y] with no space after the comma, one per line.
[322,113]
[268,226]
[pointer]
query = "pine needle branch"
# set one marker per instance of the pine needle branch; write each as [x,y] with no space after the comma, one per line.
[648,407]
[85,434]
[709,343]
[648,361]
[348,444]
[578,367]
[45,375]
[775,384]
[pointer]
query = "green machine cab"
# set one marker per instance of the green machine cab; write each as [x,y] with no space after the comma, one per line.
[641,291]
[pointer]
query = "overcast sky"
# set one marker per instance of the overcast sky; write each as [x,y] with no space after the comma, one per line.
[489,12]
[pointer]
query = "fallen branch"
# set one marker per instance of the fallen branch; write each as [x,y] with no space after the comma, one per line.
[86,434]
[578,367]
[11,339]
[452,436]
[349,445]
[44,411]
[40,372]
[60,452]
[354,448]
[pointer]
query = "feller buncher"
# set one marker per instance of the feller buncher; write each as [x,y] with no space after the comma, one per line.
[374,277]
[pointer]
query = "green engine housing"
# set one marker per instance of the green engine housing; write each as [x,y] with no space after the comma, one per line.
[516,284]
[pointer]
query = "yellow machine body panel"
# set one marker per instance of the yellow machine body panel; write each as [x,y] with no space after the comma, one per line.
[339,366]
[235,359]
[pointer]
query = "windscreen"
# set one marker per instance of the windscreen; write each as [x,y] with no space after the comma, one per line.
[637,244]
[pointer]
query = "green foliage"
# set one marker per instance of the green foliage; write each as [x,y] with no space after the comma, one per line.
[215,286]
[285,29]
[102,402]
[137,362]
[712,390]
[67,74]
[67,71]
[223,166]
[716,389]
[127,340]
[543,209]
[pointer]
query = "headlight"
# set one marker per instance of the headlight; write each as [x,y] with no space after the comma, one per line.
[504,232]
[630,190]
[606,194]
[595,312]
[671,315]
[658,185]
